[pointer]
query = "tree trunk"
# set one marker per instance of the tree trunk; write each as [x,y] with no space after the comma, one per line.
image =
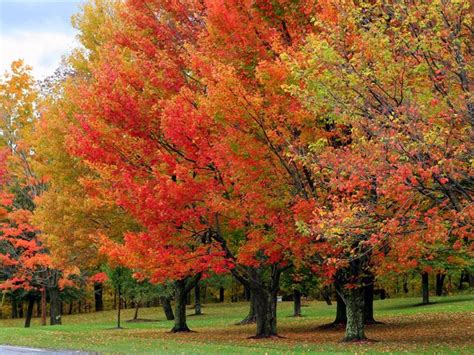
[166,304]
[188,298]
[221,294]
[204,294]
[119,308]
[29,311]
[265,299]
[251,316]
[180,324]
[405,283]
[38,307]
[54,306]
[439,283]
[20,309]
[137,307]
[71,306]
[14,307]
[369,300]
[246,293]
[197,300]
[326,293]
[354,299]
[341,317]
[425,288]
[98,291]
[297,303]
[265,308]
[43,306]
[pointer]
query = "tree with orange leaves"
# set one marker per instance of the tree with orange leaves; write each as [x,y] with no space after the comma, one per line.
[26,263]
[207,194]
[393,98]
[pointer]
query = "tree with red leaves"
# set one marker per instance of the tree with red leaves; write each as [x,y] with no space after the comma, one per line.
[208,193]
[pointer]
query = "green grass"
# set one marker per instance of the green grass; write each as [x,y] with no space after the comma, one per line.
[443,327]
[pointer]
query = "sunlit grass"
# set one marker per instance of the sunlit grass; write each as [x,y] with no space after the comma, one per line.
[445,326]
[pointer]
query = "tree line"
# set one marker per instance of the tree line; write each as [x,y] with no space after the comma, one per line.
[326,140]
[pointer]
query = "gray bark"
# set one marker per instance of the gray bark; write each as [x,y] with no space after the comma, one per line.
[354,299]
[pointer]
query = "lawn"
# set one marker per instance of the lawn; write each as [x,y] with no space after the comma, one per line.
[446,326]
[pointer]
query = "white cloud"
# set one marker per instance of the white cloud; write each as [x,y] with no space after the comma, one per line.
[41,50]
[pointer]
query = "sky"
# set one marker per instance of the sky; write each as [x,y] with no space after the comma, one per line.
[37,31]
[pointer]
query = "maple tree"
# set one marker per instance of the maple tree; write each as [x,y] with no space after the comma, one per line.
[142,134]
[397,159]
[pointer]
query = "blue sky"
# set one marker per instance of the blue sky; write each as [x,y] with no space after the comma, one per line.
[38,31]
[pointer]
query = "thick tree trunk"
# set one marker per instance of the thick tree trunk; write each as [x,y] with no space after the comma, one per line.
[425,288]
[166,304]
[43,306]
[29,311]
[221,294]
[180,324]
[265,308]
[251,316]
[297,303]
[369,300]
[354,299]
[439,283]
[98,292]
[341,317]
[54,306]
[265,299]
[197,300]
[71,307]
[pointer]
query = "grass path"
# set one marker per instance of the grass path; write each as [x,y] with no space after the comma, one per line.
[447,326]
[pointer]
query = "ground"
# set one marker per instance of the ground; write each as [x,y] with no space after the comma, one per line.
[446,326]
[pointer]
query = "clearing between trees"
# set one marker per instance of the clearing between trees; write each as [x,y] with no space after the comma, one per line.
[445,326]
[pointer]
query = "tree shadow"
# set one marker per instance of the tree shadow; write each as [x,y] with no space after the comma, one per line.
[439,300]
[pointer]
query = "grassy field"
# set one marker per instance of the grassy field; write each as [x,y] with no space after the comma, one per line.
[447,326]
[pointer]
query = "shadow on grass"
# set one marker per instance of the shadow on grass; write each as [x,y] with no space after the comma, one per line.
[439,300]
